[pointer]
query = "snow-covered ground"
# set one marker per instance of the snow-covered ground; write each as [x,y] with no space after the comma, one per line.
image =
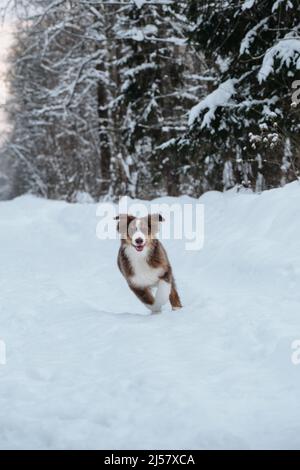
[88,367]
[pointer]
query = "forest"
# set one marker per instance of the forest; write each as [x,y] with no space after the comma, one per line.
[151,98]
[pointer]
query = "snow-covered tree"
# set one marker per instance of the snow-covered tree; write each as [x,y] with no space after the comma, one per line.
[151,101]
[153,97]
[254,48]
[55,81]
[100,92]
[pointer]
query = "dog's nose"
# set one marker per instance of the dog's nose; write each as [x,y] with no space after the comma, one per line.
[139,241]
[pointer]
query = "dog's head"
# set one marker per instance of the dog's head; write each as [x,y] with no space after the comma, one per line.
[138,232]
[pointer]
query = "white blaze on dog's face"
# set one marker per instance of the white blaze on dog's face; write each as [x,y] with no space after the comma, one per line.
[138,232]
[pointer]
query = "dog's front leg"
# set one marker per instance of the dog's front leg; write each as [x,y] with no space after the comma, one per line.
[144,295]
[162,295]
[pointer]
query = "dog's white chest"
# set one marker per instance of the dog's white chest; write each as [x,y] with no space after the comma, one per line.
[144,275]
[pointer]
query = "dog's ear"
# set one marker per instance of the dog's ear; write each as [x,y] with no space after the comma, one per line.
[155,218]
[123,221]
[153,222]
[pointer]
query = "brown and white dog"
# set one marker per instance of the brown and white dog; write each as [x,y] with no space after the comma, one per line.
[144,262]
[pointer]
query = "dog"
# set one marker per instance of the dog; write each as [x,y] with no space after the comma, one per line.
[144,262]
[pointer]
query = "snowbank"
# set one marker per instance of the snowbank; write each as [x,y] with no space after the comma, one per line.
[87,367]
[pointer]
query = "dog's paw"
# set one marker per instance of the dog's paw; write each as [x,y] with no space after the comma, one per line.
[156,310]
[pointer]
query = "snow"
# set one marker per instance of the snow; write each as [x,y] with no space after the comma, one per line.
[88,367]
[248,4]
[251,35]
[287,50]
[219,97]
[149,33]
[278,4]
[139,3]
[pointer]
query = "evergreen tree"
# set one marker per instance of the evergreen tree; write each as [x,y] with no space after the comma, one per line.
[238,133]
[151,102]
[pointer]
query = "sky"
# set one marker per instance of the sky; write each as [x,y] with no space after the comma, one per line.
[5,42]
[7,26]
